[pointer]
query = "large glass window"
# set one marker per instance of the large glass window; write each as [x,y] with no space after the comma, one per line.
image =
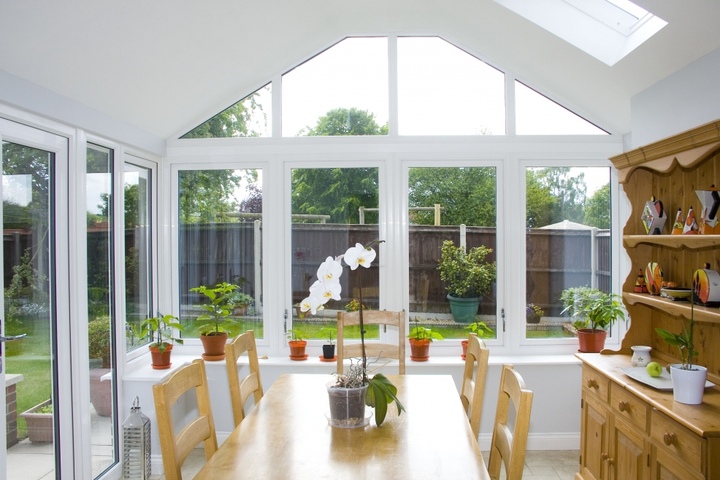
[101,313]
[568,242]
[332,210]
[453,218]
[220,240]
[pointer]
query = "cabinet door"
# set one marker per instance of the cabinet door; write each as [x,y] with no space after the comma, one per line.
[665,466]
[594,442]
[629,452]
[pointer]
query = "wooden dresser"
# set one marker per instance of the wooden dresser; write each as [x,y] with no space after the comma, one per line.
[630,430]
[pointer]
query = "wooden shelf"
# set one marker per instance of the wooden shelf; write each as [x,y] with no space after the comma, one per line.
[691,242]
[678,308]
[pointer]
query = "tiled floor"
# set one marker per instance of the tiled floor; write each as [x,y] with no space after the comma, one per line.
[539,464]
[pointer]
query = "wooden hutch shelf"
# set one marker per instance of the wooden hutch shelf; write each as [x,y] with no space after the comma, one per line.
[672,307]
[690,242]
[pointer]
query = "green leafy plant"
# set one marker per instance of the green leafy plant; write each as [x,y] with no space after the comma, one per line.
[683,341]
[480,329]
[353,306]
[296,334]
[99,340]
[219,308]
[329,334]
[160,330]
[592,308]
[240,299]
[533,311]
[424,333]
[466,274]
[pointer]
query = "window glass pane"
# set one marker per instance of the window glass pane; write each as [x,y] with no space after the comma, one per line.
[138,252]
[538,115]
[443,90]
[220,240]
[568,242]
[456,204]
[332,210]
[341,91]
[101,327]
[250,117]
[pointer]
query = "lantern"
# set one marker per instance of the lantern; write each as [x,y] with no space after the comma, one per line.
[136,444]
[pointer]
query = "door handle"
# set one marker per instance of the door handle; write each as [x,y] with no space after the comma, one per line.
[12,337]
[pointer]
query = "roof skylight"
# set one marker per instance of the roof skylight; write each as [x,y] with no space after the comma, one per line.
[606,29]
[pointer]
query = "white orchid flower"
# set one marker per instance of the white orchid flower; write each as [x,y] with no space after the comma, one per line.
[359,255]
[313,304]
[326,290]
[330,270]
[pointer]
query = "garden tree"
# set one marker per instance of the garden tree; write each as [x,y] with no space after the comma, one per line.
[343,121]
[338,192]
[252,203]
[207,196]
[597,208]
[539,203]
[570,192]
[231,122]
[467,195]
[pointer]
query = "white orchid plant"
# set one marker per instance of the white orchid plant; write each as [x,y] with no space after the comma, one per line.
[381,391]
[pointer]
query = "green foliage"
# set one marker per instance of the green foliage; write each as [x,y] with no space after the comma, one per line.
[683,341]
[354,305]
[466,275]
[99,340]
[27,293]
[296,334]
[343,121]
[217,318]
[338,192]
[329,334]
[554,195]
[160,330]
[424,333]
[480,329]
[592,308]
[380,393]
[240,299]
[597,209]
[467,195]
[231,122]
[206,196]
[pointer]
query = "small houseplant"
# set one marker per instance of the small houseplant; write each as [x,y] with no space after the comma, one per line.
[480,329]
[216,323]
[240,301]
[468,276]
[374,390]
[533,313]
[297,343]
[594,311]
[688,379]
[329,334]
[160,331]
[420,339]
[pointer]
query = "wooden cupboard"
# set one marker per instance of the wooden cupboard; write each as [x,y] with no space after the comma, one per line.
[630,430]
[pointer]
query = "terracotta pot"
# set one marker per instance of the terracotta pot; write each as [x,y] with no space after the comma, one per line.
[591,341]
[297,349]
[214,346]
[419,350]
[161,360]
[464,345]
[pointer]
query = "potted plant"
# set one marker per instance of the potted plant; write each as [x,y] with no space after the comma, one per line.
[39,420]
[355,387]
[467,276]
[688,379]
[420,338]
[99,354]
[216,323]
[478,328]
[240,302]
[594,311]
[297,343]
[329,334]
[533,313]
[160,330]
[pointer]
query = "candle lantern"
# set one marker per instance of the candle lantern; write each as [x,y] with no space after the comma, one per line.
[136,444]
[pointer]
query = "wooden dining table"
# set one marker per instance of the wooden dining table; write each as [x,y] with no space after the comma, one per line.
[287,436]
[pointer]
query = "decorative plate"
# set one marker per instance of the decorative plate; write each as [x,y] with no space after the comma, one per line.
[663,382]
[676,293]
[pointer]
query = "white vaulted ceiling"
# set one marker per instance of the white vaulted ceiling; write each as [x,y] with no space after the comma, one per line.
[165,66]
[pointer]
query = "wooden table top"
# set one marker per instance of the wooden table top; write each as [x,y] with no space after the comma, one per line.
[287,436]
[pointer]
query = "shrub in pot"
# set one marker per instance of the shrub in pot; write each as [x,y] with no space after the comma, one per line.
[160,330]
[216,324]
[420,339]
[478,328]
[594,311]
[297,343]
[467,277]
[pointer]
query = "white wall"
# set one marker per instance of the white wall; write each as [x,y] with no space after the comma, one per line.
[684,100]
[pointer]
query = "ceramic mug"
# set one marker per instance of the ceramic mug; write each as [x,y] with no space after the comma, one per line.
[640,356]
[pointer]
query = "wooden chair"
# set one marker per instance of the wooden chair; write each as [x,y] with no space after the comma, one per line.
[176,448]
[372,349]
[508,444]
[472,391]
[240,390]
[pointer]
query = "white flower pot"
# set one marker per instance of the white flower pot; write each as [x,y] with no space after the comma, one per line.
[688,385]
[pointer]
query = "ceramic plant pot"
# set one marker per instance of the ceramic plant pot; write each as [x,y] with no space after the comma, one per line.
[161,360]
[464,309]
[214,346]
[419,350]
[591,341]
[297,349]
[688,385]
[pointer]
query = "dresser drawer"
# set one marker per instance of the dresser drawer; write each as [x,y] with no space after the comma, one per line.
[676,439]
[628,406]
[595,383]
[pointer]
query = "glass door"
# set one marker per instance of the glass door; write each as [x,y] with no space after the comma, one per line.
[34,394]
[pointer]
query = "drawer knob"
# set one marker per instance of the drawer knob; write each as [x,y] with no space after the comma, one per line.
[624,406]
[670,439]
[607,457]
[592,383]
